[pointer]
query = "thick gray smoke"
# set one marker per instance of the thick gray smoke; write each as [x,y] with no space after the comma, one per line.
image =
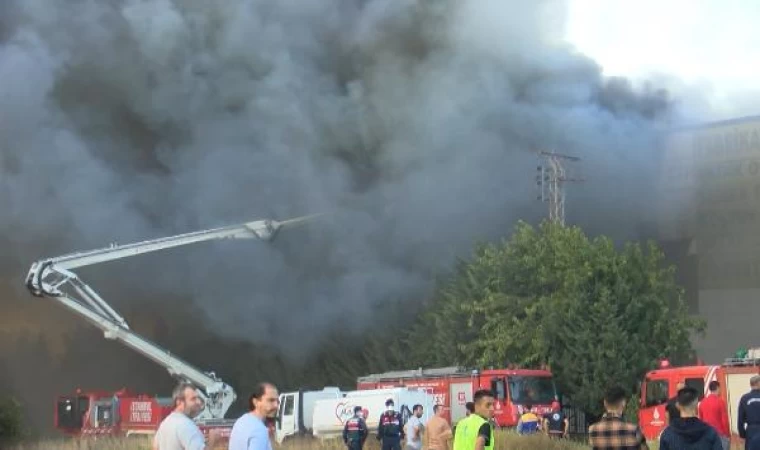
[413,123]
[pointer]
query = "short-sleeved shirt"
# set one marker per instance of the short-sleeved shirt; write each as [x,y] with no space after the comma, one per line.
[412,441]
[612,432]
[179,432]
[249,433]
[485,432]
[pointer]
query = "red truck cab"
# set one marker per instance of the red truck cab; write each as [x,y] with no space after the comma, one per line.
[661,385]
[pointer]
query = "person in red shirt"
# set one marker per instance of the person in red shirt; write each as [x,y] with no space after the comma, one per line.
[712,410]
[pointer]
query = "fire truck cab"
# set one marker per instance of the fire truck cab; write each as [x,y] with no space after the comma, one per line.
[661,385]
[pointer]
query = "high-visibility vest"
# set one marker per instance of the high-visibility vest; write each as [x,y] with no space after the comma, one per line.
[467,433]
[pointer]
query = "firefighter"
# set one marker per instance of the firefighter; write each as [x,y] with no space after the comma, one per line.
[748,416]
[556,424]
[355,431]
[390,430]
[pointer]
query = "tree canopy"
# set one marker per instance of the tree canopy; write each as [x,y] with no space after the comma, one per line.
[595,314]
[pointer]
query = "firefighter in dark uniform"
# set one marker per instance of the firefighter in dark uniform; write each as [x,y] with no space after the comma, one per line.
[390,430]
[556,422]
[748,418]
[355,431]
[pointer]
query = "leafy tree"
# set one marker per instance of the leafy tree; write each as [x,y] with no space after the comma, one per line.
[594,313]
[11,420]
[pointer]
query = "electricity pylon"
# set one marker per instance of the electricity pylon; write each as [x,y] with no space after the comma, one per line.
[550,179]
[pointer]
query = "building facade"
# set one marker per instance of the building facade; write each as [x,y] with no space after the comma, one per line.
[709,223]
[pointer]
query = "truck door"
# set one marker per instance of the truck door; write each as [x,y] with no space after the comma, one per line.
[501,413]
[70,413]
[459,395]
[287,421]
[104,415]
[655,393]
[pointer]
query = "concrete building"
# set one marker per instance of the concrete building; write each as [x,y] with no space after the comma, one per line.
[709,223]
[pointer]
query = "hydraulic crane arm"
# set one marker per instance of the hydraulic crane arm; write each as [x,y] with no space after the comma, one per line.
[53,278]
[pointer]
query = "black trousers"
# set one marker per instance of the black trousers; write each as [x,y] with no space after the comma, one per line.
[752,442]
[391,444]
[354,445]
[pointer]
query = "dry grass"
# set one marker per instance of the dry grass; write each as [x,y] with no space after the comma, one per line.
[505,440]
[86,444]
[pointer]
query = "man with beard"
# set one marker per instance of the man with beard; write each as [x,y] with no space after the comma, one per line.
[414,429]
[250,431]
[178,431]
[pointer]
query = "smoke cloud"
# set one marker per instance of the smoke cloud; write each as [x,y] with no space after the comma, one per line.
[414,124]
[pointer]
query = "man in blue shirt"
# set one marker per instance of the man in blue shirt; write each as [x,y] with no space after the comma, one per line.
[250,431]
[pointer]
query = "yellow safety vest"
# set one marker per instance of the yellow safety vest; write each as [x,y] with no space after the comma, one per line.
[467,433]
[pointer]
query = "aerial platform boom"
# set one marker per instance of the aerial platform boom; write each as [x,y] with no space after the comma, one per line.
[52,277]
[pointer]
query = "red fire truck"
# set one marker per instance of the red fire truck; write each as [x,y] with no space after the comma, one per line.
[120,413]
[453,387]
[124,413]
[661,385]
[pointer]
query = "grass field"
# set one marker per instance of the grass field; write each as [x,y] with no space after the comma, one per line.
[505,440]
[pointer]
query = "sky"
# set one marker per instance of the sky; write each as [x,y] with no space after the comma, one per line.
[709,45]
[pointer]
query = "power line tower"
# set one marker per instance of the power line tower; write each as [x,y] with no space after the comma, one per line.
[550,179]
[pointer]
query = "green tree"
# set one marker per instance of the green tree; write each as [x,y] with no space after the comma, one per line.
[11,420]
[594,313]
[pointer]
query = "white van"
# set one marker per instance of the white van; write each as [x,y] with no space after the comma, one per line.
[330,415]
[297,411]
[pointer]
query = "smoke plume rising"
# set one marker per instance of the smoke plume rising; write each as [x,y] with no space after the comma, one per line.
[413,123]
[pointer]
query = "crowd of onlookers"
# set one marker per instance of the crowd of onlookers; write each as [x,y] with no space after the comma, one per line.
[692,424]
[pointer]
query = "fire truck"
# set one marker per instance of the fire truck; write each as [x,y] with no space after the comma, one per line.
[454,386]
[660,385]
[124,413]
[100,413]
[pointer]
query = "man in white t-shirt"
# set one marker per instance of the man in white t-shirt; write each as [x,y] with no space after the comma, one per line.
[250,431]
[178,431]
[413,429]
